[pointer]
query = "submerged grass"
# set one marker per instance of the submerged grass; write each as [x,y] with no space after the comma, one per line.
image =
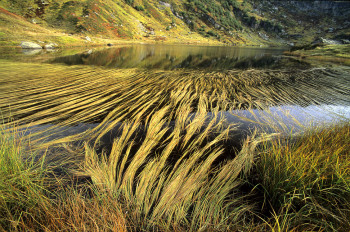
[171,166]
[110,96]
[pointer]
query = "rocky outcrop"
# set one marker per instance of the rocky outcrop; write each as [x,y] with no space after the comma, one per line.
[323,41]
[51,46]
[30,45]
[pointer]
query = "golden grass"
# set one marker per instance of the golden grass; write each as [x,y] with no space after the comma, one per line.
[170,166]
[82,94]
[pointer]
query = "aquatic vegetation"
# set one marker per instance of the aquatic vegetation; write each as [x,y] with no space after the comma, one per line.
[110,96]
[163,157]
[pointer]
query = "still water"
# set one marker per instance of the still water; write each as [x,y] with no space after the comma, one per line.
[158,57]
[75,91]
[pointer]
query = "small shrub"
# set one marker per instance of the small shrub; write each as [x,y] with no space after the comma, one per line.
[139,8]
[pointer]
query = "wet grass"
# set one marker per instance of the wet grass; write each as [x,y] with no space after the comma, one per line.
[171,166]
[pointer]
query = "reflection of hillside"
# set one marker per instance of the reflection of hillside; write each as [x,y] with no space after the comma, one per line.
[170,57]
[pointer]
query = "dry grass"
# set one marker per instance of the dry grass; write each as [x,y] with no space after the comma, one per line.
[80,94]
[171,165]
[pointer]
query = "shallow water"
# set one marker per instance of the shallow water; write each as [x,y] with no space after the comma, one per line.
[56,98]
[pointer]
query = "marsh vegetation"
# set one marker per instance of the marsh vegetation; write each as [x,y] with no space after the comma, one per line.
[139,149]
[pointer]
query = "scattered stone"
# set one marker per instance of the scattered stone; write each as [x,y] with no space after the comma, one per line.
[345,41]
[51,46]
[263,36]
[30,45]
[164,4]
[323,41]
[34,21]
[88,38]
[330,30]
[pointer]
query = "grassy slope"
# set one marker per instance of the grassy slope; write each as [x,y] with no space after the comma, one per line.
[114,20]
[117,20]
[328,53]
[101,27]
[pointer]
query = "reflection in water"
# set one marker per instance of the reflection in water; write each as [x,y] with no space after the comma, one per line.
[171,57]
[283,119]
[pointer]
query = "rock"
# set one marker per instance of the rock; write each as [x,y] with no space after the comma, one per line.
[164,4]
[88,38]
[188,21]
[30,52]
[323,41]
[263,36]
[109,45]
[51,46]
[345,41]
[30,45]
[330,30]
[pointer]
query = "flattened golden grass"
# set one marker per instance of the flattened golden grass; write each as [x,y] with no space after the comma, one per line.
[162,167]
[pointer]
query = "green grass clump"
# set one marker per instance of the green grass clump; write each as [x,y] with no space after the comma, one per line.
[306,180]
[22,176]
[26,204]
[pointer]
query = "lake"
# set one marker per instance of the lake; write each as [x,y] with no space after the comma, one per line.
[63,95]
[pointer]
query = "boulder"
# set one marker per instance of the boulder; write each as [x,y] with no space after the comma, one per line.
[88,39]
[263,36]
[323,41]
[51,46]
[165,4]
[30,45]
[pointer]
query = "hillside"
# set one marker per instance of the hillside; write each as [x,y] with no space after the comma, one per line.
[234,22]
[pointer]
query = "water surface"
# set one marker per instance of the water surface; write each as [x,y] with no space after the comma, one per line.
[76,91]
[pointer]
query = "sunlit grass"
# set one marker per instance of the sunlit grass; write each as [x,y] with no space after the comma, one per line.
[173,162]
[109,96]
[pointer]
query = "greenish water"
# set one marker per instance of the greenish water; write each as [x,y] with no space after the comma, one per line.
[160,57]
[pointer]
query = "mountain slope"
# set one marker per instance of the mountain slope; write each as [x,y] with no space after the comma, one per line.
[249,22]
